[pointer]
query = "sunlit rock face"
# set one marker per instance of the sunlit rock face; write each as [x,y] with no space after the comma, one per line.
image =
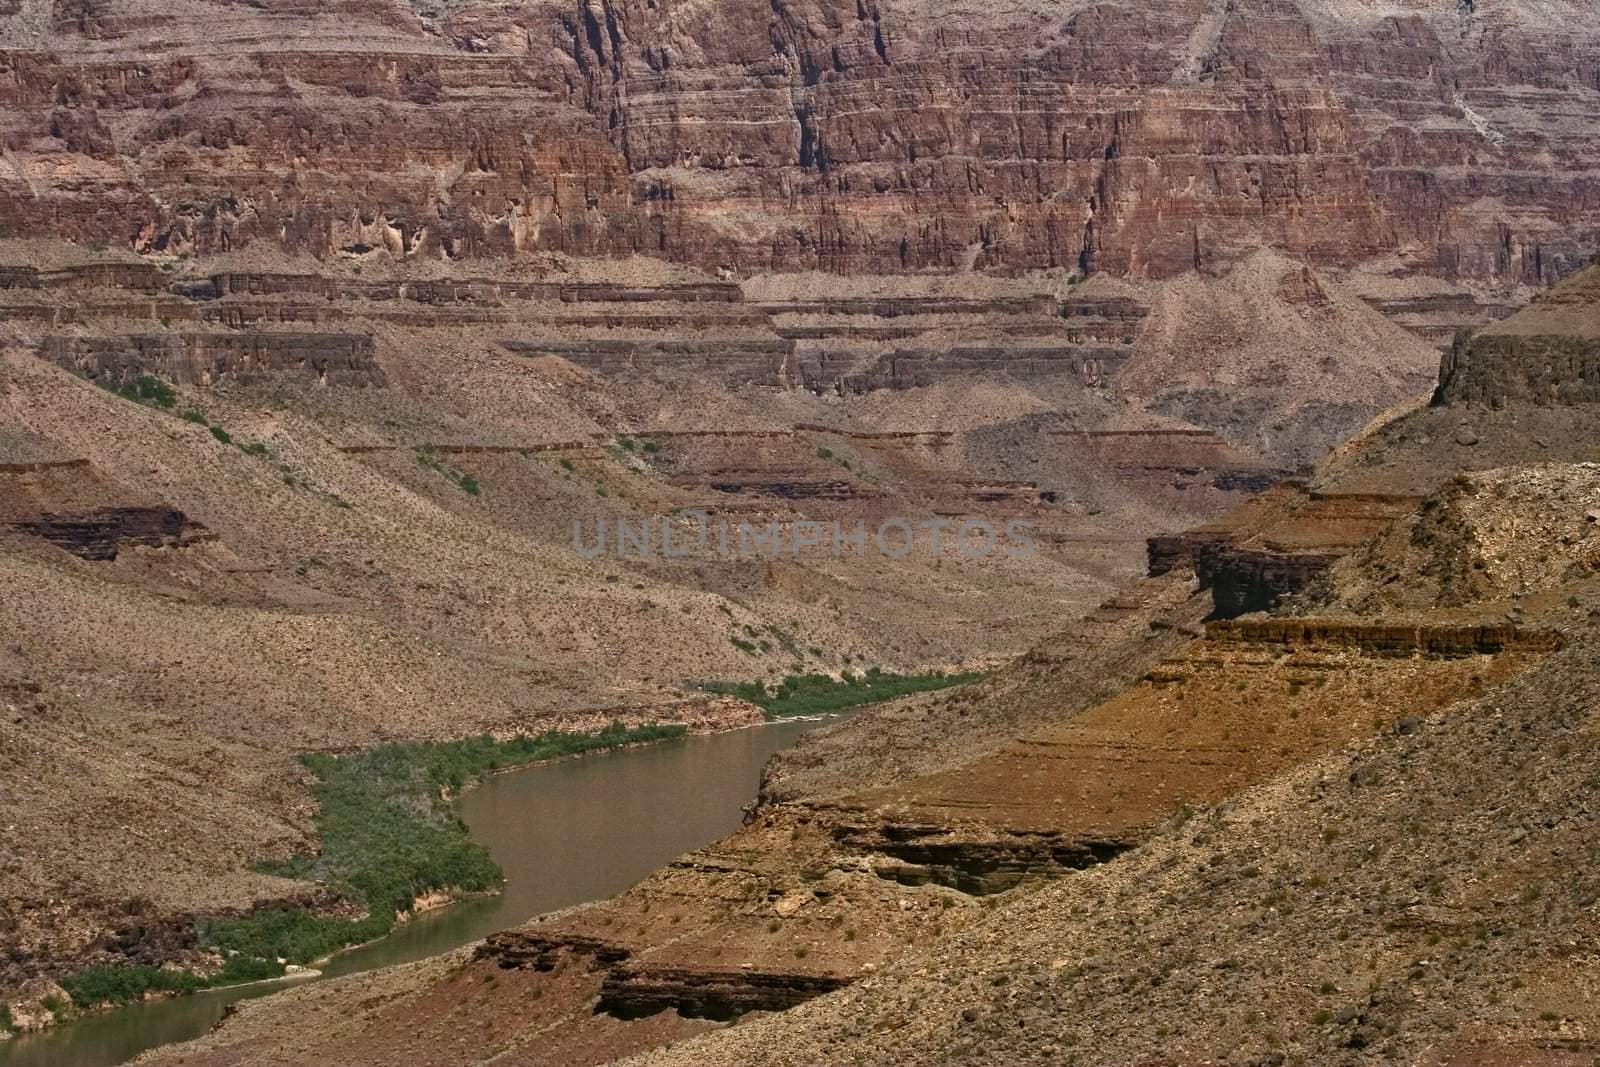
[840,135]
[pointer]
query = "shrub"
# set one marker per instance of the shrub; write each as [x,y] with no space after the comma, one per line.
[754,692]
[119,985]
[388,835]
[221,435]
[463,481]
[150,390]
[820,694]
[154,390]
[651,447]
[241,969]
[195,415]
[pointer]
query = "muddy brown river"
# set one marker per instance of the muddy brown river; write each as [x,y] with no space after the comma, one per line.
[566,833]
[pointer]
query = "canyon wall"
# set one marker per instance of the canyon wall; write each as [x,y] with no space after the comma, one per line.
[202,359]
[1549,354]
[1500,369]
[843,135]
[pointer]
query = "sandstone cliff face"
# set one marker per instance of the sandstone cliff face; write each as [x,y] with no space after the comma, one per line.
[1548,354]
[342,359]
[845,135]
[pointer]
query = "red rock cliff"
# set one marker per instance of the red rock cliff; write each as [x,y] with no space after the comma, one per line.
[845,135]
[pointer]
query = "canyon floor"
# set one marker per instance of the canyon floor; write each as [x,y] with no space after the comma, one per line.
[1317,789]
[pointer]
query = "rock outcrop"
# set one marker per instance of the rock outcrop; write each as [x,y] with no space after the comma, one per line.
[931,855]
[100,535]
[1548,354]
[204,359]
[531,948]
[1276,546]
[74,506]
[638,992]
[1395,639]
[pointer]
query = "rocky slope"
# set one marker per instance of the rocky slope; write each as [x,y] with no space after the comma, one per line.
[1337,830]
[1411,900]
[1393,901]
[246,514]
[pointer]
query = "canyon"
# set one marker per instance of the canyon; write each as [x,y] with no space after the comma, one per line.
[323,326]
[1285,763]
[311,511]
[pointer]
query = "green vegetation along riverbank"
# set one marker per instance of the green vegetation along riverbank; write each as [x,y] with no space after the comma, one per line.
[390,834]
[822,694]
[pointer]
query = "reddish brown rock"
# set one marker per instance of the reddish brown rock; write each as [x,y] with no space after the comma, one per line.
[343,359]
[831,134]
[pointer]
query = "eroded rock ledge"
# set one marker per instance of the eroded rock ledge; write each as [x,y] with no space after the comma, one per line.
[636,992]
[631,990]
[100,535]
[1386,638]
[202,359]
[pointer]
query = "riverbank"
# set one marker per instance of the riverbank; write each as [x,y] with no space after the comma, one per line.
[389,838]
[805,695]
[567,834]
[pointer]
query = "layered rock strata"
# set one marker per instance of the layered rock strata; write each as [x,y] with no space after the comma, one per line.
[815,134]
[1548,355]
[205,359]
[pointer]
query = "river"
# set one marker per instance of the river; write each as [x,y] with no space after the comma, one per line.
[565,833]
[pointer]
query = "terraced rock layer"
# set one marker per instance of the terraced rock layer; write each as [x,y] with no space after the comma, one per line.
[1549,355]
[1280,544]
[814,134]
[202,359]
[707,330]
